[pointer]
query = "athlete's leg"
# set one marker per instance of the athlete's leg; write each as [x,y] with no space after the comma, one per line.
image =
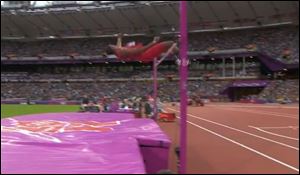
[169,44]
[119,40]
[143,49]
[136,51]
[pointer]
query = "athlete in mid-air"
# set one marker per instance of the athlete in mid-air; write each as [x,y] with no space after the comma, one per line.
[139,52]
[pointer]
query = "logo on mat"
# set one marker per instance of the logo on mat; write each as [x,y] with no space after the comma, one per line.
[54,126]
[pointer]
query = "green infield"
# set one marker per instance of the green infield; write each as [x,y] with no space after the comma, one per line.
[15,110]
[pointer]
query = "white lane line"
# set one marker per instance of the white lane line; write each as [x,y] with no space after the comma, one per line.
[238,130]
[269,112]
[246,147]
[238,106]
[264,112]
[272,133]
[254,112]
[279,127]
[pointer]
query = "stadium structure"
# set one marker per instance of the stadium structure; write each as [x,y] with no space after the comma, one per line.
[53,52]
[64,43]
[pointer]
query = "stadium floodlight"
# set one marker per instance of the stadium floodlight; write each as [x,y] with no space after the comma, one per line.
[41,3]
[13,12]
[278,24]
[136,34]
[167,33]
[112,7]
[205,30]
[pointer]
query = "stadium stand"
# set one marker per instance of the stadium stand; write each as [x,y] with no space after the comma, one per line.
[275,41]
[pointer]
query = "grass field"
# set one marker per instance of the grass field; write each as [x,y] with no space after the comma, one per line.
[15,110]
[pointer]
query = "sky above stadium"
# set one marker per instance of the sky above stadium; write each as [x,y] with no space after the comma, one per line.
[45,3]
[49,3]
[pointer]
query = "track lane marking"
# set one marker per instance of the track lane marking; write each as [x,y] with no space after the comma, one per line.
[238,130]
[255,112]
[244,146]
[272,133]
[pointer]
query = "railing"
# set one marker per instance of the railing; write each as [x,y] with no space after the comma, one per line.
[89,57]
[125,79]
[271,63]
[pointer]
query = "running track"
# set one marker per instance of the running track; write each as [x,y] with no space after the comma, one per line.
[239,138]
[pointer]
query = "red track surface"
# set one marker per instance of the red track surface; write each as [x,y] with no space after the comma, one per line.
[239,138]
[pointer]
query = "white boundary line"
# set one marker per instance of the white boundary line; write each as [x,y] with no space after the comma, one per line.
[246,147]
[279,127]
[269,112]
[238,130]
[241,106]
[260,112]
[254,112]
[264,112]
[272,133]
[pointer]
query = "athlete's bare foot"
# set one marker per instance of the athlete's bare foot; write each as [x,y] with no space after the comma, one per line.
[175,50]
[120,35]
[156,39]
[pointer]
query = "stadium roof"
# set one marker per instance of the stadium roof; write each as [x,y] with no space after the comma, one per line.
[103,18]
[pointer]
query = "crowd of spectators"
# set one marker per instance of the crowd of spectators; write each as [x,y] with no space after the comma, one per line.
[272,41]
[281,91]
[63,47]
[279,42]
[276,91]
[117,72]
[167,90]
[112,77]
